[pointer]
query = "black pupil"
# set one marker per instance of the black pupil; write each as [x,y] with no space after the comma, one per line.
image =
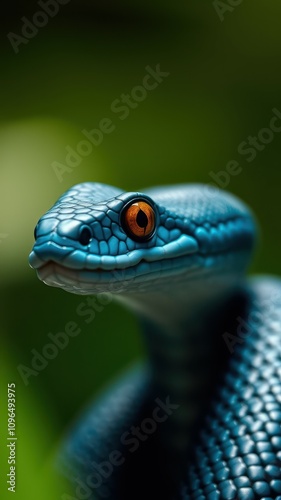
[142,219]
[85,236]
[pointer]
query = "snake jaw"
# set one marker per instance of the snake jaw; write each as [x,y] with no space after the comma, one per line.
[76,259]
[102,273]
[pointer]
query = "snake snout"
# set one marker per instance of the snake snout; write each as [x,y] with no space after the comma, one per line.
[71,229]
[56,239]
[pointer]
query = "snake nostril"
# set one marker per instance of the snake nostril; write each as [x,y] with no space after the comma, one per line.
[85,236]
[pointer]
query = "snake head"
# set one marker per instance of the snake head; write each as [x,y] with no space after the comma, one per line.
[97,238]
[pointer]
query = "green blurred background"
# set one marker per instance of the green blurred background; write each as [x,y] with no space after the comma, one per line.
[224,82]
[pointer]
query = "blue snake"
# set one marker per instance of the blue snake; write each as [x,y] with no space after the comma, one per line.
[202,419]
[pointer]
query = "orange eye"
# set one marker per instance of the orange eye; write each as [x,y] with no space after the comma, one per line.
[139,220]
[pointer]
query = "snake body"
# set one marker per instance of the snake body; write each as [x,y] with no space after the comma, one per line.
[203,419]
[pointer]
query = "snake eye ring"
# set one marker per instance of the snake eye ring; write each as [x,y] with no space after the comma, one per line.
[139,220]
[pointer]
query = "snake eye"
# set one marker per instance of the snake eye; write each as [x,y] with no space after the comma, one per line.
[138,220]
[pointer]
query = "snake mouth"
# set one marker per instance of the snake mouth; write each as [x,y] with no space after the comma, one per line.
[146,269]
[142,278]
[86,281]
[80,272]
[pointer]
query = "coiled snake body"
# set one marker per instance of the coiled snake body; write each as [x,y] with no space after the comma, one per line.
[203,419]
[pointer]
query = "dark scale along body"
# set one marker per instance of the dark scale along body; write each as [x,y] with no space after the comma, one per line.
[238,453]
[202,420]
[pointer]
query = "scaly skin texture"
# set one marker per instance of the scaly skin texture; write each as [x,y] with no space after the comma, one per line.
[203,420]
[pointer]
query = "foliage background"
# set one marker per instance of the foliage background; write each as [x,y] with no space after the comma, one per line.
[224,81]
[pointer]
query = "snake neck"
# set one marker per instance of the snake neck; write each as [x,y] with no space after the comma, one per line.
[183,335]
